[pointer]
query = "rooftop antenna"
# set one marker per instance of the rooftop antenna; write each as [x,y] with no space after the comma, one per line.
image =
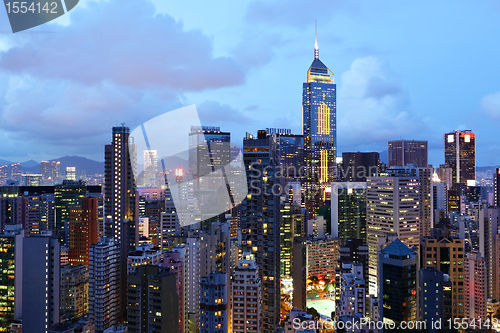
[316,49]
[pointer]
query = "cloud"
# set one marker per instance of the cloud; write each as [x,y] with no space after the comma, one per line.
[490,104]
[373,106]
[296,13]
[127,43]
[213,113]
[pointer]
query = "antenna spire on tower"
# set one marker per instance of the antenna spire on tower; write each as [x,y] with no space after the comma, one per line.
[316,49]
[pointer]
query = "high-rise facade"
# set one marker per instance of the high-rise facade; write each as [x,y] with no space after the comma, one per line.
[121,200]
[152,301]
[403,152]
[431,300]
[40,284]
[260,224]
[104,284]
[392,208]
[11,246]
[397,280]
[67,195]
[352,293]
[150,167]
[15,173]
[319,126]
[247,296]
[447,256]
[475,286]
[460,155]
[357,166]
[349,211]
[496,187]
[287,150]
[215,303]
[83,231]
[50,172]
[74,291]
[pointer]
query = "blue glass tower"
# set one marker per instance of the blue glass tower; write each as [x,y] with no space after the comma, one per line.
[319,127]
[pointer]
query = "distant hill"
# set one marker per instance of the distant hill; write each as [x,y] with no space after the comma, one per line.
[384,156]
[29,164]
[90,167]
[4,162]
[487,168]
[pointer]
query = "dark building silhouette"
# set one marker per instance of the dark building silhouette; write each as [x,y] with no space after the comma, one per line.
[403,152]
[357,166]
[460,155]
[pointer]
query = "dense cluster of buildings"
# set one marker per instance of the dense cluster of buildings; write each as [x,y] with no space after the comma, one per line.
[150,250]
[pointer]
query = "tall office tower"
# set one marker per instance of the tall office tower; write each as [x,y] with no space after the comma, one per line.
[50,172]
[424,176]
[260,223]
[496,187]
[299,272]
[439,199]
[392,208]
[357,166]
[121,200]
[487,219]
[290,216]
[447,256]
[403,152]
[352,293]
[247,296]
[83,231]
[66,195]
[15,172]
[104,284]
[152,301]
[431,285]
[40,214]
[215,303]
[397,279]
[475,286]
[4,172]
[11,246]
[150,167]
[40,283]
[460,155]
[174,261]
[209,150]
[192,284]
[74,291]
[319,127]
[287,150]
[349,211]
[70,173]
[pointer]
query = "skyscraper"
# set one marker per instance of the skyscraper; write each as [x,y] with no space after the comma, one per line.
[260,223]
[50,172]
[67,195]
[319,126]
[121,201]
[403,152]
[215,303]
[397,280]
[460,155]
[40,283]
[15,172]
[247,296]
[83,231]
[11,246]
[209,150]
[74,291]
[349,211]
[150,167]
[392,208]
[104,284]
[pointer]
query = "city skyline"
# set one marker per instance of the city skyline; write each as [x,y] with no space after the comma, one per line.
[396,82]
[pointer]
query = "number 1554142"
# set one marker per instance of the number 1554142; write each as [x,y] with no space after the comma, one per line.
[23,7]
